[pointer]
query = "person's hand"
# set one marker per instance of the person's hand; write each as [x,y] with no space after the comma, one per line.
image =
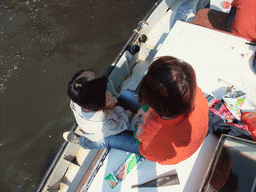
[128,113]
[110,101]
[139,114]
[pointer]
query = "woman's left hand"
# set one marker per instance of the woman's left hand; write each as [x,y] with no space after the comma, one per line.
[139,114]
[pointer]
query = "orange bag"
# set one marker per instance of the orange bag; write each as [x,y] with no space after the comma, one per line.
[249,119]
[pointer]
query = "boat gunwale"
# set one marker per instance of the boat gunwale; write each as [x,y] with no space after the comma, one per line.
[92,170]
[54,162]
[132,38]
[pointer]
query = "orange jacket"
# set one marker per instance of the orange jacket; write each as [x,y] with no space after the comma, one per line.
[244,24]
[172,141]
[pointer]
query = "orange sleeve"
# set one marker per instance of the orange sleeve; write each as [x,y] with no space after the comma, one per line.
[146,135]
[147,130]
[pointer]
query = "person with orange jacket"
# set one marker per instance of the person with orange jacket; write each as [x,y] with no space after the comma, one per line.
[242,20]
[175,112]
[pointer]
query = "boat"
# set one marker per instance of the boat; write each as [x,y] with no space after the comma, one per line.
[200,39]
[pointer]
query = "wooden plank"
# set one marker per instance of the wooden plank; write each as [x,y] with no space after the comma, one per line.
[90,170]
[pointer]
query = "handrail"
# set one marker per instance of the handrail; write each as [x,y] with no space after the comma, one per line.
[131,39]
[92,170]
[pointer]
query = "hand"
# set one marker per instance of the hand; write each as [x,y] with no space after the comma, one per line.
[128,113]
[110,101]
[140,114]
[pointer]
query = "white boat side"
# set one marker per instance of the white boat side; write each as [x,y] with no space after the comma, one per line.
[75,168]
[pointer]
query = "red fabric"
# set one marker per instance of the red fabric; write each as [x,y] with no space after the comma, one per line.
[172,141]
[224,113]
[249,119]
[244,24]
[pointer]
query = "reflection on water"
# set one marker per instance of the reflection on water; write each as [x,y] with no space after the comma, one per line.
[43,43]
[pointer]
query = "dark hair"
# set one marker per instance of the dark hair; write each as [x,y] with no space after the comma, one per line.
[88,92]
[169,87]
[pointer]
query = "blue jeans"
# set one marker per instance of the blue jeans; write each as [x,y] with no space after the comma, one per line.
[124,141]
[185,8]
[128,99]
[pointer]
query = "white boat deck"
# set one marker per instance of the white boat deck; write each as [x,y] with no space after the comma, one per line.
[214,55]
[150,170]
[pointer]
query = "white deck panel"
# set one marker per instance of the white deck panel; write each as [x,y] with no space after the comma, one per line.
[190,171]
[214,55]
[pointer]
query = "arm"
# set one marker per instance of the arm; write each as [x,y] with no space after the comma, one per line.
[116,122]
[110,101]
[151,143]
[141,112]
[121,114]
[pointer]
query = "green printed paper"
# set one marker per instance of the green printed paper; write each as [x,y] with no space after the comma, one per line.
[130,164]
[112,180]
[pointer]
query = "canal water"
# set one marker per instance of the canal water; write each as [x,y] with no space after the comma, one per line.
[42,44]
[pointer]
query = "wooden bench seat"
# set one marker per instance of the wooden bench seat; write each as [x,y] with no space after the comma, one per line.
[211,19]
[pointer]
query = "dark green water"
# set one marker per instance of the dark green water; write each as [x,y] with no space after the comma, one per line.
[42,44]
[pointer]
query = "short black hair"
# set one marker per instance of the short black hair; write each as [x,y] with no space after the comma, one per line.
[87,92]
[169,87]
